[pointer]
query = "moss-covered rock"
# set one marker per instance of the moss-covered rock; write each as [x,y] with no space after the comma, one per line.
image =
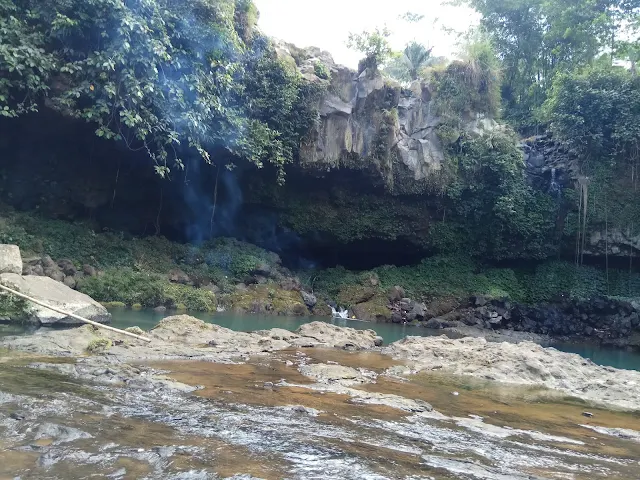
[267,299]
[374,310]
[114,304]
[99,345]
[125,286]
[322,310]
[353,294]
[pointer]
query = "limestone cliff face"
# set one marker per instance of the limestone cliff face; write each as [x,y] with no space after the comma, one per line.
[372,124]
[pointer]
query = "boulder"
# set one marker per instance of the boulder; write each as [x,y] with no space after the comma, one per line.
[395,294]
[417,312]
[57,295]
[89,271]
[178,276]
[309,299]
[54,274]
[33,270]
[69,281]
[67,267]
[47,262]
[329,335]
[10,259]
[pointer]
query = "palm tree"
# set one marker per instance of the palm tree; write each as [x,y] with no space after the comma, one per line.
[407,65]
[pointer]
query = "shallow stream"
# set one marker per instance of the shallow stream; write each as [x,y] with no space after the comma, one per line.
[263,419]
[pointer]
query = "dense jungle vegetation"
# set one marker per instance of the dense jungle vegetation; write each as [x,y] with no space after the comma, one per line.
[174,80]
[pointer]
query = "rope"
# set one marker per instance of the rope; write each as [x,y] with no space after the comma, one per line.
[72,315]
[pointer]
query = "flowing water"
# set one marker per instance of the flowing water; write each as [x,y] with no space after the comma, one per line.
[263,419]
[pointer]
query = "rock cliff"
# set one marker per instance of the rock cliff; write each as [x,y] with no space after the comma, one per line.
[373,124]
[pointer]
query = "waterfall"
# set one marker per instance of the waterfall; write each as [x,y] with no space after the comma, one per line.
[555,186]
[339,314]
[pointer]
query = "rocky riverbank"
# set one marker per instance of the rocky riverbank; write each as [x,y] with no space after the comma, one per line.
[605,321]
[184,337]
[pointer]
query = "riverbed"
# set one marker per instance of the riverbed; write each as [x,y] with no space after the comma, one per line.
[263,418]
[204,402]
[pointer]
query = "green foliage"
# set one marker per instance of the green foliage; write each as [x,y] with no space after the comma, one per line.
[322,71]
[25,67]
[462,277]
[374,45]
[493,209]
[14,309]
[596,113]
[149,290]
[538,39]
[169,78]
[331,280]
[470,85]
[284,103]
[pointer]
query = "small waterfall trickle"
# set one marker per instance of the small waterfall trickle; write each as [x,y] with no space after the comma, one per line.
[339,314]
[555,187]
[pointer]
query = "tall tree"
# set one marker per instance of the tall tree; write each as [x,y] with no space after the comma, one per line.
[536,39]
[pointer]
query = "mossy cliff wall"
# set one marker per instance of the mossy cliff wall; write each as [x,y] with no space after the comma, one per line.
[419,169]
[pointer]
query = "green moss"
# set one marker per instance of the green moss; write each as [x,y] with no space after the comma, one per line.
[189,298]
[353,294]
[14,309]
[99,345]
[374,310]
[322,309]
[139,289]
[267,299]
[114,304]
[135,330]
[322,71]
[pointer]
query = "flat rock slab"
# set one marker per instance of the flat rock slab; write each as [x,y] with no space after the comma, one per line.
[57,295]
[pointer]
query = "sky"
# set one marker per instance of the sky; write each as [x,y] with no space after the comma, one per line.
[327,23]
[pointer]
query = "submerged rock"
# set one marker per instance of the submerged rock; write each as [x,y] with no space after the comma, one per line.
[57,295]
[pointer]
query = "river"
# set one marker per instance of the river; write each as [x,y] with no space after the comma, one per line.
[263,417]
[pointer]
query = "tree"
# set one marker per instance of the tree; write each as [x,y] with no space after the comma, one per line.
[407,65]
[167,77]
[374,45]
[536,39]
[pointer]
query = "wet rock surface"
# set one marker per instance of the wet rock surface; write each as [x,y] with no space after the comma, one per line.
[346,421]
[605,320]
[183,336]
[524,363]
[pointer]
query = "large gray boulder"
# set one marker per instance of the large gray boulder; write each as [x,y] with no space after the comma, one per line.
[10,259]
[57,295]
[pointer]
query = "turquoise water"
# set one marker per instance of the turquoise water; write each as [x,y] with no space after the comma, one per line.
[147,319]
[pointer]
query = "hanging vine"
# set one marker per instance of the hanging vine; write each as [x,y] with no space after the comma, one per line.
[583,201]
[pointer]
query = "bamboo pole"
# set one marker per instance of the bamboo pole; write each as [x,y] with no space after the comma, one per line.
[72,315]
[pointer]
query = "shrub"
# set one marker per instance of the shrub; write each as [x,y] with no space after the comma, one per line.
[322,71]
[148,290]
